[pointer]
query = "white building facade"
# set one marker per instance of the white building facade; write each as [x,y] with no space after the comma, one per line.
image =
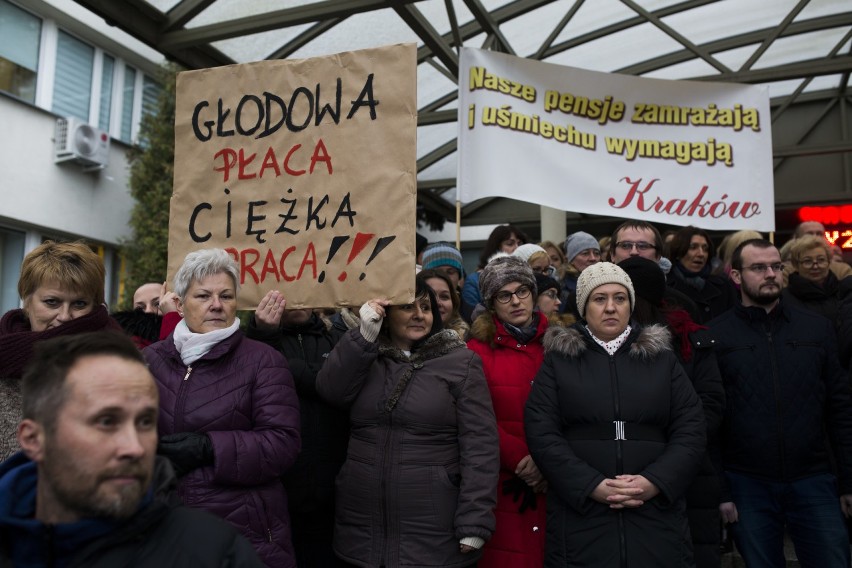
[59,61]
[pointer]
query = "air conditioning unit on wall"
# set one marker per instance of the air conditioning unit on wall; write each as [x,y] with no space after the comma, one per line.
[84,144]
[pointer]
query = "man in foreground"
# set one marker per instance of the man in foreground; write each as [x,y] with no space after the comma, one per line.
[86,489]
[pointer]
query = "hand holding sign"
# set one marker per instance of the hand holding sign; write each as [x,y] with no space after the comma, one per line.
[305,172]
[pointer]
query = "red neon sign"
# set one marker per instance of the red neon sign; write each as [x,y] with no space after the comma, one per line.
[828,215]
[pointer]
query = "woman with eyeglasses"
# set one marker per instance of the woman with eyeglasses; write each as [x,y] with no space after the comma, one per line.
[812,285]
[691,250]
[507,336]
[503,239]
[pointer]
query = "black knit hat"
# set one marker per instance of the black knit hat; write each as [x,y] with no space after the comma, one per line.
[543,283]
[648,279]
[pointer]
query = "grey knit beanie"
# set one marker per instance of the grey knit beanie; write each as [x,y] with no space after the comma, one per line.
[597,275]
[502,271]
[578,242]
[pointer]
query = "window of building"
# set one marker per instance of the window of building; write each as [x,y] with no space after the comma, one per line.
[72,83]
[11,257]
[20,35]
[127,104]
[107,71]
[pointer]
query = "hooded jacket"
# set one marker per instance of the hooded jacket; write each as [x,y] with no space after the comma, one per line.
[580,396]
[509,369]
[158,535]
[241,395]
[421,469]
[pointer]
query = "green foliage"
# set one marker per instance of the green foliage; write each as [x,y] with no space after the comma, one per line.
[151,179]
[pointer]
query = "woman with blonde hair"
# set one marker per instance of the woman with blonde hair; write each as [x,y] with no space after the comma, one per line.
[62,288]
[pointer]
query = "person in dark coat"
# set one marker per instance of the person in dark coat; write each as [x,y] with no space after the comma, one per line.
[229,415]
[87,490]
[693,345]
[812,286]
[417,487]
[788,413]
[691,250]
[617,430]
[306,341]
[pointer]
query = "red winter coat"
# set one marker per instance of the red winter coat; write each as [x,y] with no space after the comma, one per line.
[510,367]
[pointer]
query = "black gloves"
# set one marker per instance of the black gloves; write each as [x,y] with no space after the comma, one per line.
[519,488]
[187,451]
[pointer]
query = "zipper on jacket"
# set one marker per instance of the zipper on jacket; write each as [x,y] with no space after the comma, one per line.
[619,458]
[188,371]
[384,487]
[301,346]
[776,387]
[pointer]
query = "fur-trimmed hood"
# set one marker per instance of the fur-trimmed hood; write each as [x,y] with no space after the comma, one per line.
[435,346]
[646,343]
[484,329]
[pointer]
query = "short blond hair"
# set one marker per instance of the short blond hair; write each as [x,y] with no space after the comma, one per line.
[73,266]
[802,245]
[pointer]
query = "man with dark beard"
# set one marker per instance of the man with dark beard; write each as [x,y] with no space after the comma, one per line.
[787,400]
[85,490]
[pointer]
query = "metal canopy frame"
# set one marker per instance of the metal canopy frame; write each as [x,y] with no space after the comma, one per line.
[172,34]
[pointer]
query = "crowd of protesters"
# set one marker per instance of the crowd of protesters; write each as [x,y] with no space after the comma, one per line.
[621,400]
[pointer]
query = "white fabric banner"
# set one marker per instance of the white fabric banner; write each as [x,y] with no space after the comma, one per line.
[674,152]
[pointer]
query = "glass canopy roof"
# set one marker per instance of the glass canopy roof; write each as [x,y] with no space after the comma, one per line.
[800,49]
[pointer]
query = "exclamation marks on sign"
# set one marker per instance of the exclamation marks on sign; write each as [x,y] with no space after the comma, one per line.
[361,240]
[358,245]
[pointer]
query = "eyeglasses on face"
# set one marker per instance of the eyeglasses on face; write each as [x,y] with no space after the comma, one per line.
[552,294]
[546,270]
[629,245]
[776,267]
[808,262]
[505,296]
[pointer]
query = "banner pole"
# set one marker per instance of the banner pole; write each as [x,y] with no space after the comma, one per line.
[458,225]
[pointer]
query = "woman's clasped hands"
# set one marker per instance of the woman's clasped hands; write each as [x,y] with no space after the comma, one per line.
[625,491]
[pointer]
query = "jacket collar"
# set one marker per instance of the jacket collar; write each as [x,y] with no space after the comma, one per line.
[488,329]
[756,314]
[643,343]
[435,346]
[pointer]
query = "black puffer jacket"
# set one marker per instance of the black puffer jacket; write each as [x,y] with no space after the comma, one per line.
[578,393]
[159,535]
[783,385]
[324,428]
[422,465]
[703,494]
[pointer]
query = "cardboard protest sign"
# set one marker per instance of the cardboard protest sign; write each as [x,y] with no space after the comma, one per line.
[305,172]
[675,152]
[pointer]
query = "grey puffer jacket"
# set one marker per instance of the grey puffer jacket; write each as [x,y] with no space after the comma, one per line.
[579,392]
[422,464]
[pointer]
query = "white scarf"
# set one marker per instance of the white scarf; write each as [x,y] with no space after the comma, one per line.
[611,346]
[194,346]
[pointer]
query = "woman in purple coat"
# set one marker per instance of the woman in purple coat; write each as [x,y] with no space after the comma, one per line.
[229,415]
